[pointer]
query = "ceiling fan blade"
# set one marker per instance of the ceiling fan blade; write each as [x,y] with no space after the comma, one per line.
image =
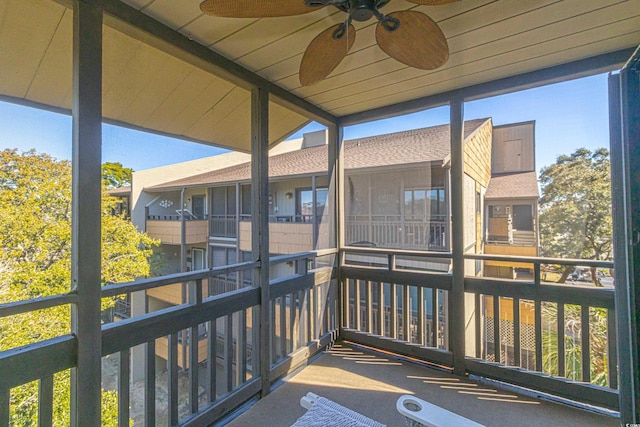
[324,53]
[417,41]
[254,8]
[433,2]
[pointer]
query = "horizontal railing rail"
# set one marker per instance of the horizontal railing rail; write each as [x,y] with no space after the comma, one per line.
[170,279]
[542,260]
[20,307]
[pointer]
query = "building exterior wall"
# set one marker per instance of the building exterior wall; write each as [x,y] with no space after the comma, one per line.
[478,153]
[469,207]
[514,148]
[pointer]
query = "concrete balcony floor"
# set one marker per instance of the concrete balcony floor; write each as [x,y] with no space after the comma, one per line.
[370,383]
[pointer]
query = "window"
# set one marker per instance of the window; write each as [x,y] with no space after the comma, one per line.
[437,202]
[304,204]
[198,206]
[415,204]
[421,204]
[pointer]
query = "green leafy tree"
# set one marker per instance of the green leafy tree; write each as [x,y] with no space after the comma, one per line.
[575,208]
[115,175]
[35,261]
[598,343]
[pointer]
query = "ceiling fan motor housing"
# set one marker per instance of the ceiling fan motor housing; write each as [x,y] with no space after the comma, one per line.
[363,10]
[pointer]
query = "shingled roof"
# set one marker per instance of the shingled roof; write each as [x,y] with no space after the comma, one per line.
[400,148]
[513,185]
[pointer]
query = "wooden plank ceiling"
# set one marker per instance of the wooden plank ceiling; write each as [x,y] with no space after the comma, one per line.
[145,87]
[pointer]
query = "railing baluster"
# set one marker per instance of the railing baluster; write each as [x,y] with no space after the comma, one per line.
[586,344]
[293,316]
[478,324]
[496,329]
[241,348]
[309,314]
[435,318]
[538,334]
[172,362]
[356,306]
[212,360]
[381,309]
[406,314]
[369,306]
[124,392]
[193,368]
[346,320]
[228,351]
[420,324]
[517,351]
[327,307]
[561,341]
[283,326]
[45,401]
[274,338]
[393,315]
[5,398]
[612,353]
[196,290]
[314,312]
[150,384]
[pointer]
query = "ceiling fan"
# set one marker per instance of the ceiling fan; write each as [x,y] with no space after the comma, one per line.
[410,37]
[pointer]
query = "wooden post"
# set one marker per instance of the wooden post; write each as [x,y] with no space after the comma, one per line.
[86,208]
[456,295]
[260,221]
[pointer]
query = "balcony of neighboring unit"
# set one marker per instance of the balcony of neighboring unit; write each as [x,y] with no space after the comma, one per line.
[394,232]
[173,294]
[288,234]
[514,229]
[168,228]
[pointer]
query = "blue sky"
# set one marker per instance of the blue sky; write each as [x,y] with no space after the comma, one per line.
[568,115]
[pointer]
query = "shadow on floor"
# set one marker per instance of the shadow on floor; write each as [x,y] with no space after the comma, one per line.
[371,383]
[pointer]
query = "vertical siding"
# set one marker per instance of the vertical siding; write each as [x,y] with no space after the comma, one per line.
[512,139]
[477,154]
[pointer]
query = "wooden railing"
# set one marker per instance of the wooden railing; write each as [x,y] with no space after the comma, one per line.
[306,298]
[224,226]
[394,300]
[556,338]
[391,301]
[393,232]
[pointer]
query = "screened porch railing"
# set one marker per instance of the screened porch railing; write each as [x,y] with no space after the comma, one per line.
[304,306]
[564,343]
